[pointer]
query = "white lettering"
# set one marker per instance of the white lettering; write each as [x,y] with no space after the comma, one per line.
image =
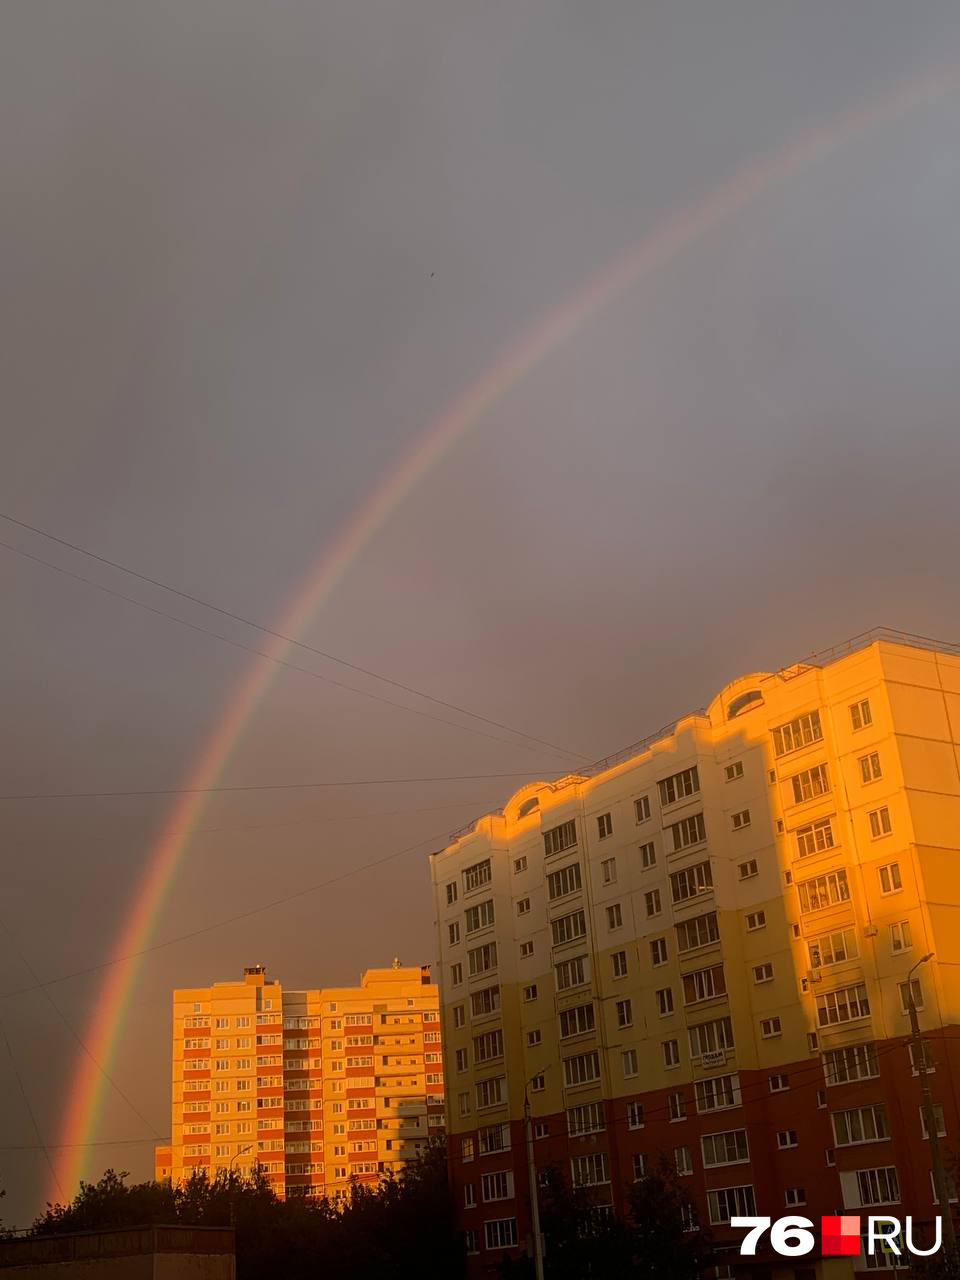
[887,1238]
[786,1229]
[758,1225]
[938,1236]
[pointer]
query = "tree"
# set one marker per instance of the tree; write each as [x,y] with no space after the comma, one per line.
[667,1243]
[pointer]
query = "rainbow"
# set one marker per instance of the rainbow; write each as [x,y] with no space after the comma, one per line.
[84,1103]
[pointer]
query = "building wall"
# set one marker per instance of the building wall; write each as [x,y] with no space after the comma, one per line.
[780,905]
[319,1086]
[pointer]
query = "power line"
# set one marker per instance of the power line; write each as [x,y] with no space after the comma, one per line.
[278,635]
[228,920]
[26,1102]
[262,786]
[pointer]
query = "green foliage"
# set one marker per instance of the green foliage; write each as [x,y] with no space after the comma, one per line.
[402,1228]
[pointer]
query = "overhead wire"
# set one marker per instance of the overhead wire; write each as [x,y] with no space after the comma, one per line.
[29,1109]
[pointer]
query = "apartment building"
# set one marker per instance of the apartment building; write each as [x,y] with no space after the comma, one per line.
[700,947]
[318,1087]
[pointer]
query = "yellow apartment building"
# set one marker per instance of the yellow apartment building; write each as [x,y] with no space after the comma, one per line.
[700,947]
[319,1087]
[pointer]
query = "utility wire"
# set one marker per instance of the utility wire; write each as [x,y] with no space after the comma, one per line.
[278,635]
[75,1034]
[260,786]
[26,1102]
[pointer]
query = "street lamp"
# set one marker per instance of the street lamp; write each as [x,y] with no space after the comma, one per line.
[929,1116]
[233,1206]
[532,1175]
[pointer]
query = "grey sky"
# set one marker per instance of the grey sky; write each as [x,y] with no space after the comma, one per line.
[249,253]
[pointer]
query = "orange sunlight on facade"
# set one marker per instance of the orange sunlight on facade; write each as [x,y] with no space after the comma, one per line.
[319,1087]
[701,947]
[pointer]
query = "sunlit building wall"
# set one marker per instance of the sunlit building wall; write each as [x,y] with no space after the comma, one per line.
[318,1087]
[700,948]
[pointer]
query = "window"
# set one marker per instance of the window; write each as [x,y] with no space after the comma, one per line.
[664,1001]
[490,1092]
[794,1196]
[604,826]
[541,1129]
[566,880]
[683,1160]
[905,990]
[641,807]
[832,948]
[590,1170]
[844,1005]
[571,973]
[634,1115]
[698,932]
[719,1093]
[860,715]
[704,984]
[578,1020]
[679,785]
[584,1068]
[688,831]
[477,875]
[462,1061]
[870,767]
[797,733]
[900,937]
[585,1119]
[815,837]
[651,902]
[530,992]
[451,893]
[938,1119]
[559,838]
[770,1028]
[480,916]
[677,1106]
[878,1186]
[624,1013]
[890,881]
[658,951]
[480,959]
[458,1015]
[568,928]
[671,1053]
[608,871]
[456,974]
[497,1186]
[779,1083]
[639,1167]
[453,931]
[828,890]
[494,1138]
[519,864]
[523,906]
[534,1037]
[484,1001]
[526,950]
[500,1234]
[860,1124]
[787,1138]
[469,1195]
[619,962]
[471,1241]
[856,1062]
[762,973]
[614,916]
[710,1037]
[810,783]
[725,1148]
[927,1057]
[648,855]
[631,1063]
[880,824]
[749,869]
[734,771]
[730,1202]
[756,920]
[691,881]
[488,1046]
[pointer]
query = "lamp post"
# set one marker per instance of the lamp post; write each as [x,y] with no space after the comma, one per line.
[929,1116]
[233,1205]
[534,1189]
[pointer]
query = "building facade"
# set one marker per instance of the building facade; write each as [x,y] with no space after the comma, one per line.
[318,1087]
[700,948]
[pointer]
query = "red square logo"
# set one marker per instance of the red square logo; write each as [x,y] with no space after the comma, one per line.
[840,1235]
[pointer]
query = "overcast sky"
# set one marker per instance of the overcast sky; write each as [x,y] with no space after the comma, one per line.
[249,252]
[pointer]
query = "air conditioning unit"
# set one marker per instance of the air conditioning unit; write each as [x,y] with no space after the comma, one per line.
[870,930]
[813,975]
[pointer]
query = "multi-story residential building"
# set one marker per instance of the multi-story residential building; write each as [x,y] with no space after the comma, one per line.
[700,947]
[318,1087]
